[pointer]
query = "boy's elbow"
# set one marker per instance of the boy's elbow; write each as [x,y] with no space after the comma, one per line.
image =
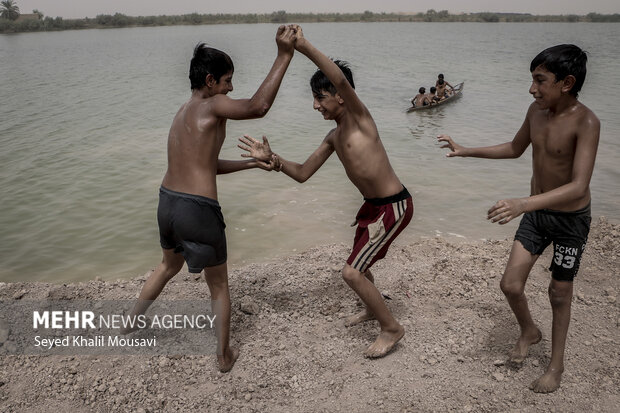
[301,177]
[582,190]
[516,152]
[263,109]
[260,109]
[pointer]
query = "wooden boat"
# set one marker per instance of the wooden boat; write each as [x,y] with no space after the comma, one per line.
[458,91]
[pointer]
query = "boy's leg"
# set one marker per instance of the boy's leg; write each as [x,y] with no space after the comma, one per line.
[560,295]
[217,280]
[366,314]
[513,281]
[169,266]
[391,330]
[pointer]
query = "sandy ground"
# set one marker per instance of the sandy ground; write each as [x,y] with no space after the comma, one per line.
[297,356]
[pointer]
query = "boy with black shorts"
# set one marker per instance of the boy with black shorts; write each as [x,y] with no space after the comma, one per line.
[564,135]
[191,225]
[388,207]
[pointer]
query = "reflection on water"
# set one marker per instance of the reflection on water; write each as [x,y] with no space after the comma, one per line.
[85,117]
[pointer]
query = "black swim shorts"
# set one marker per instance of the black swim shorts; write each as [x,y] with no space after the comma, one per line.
[194,226]
[568,231]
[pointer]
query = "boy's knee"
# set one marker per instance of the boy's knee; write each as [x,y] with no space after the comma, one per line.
[560,294]
[172,266]
[351,275]
[511,289]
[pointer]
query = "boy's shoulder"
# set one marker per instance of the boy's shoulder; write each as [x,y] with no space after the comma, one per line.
[206,107]
[585,112]
[331,134]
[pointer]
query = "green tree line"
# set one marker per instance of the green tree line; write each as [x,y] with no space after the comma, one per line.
[118,20]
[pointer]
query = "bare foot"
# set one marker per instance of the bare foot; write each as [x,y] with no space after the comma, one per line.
[360,317]
[548,382]
[384,343]
[519,352]
[227,361]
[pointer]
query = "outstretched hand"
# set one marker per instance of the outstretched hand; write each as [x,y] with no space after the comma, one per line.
[257,150]
[285,39]
[455,149]
[506,210]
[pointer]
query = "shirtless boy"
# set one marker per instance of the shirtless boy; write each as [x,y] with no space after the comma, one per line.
[433,96]
[191,225]
[442,81]
[442,92]
[421,99]
[564,135]
[388,207]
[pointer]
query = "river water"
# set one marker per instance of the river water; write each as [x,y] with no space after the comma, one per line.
[85,116]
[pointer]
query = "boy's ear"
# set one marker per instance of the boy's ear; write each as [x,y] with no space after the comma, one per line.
[568,83]
[210,80]
[339,99]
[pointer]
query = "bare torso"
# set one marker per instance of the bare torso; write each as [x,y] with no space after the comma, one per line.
[365,160]
[441,90]
[554,142]
[194,142]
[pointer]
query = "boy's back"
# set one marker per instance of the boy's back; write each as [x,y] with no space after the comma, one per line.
[194,142]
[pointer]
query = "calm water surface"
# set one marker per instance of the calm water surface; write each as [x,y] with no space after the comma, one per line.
[85,116]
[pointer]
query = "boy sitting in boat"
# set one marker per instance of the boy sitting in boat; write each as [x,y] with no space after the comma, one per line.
[447,92]
[421,99]
[442,91]
[433,96]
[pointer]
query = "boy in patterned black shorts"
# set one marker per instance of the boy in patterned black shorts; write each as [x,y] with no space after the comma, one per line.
[564,136]
[388,207]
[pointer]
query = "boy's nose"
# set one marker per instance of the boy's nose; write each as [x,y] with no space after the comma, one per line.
[532,88]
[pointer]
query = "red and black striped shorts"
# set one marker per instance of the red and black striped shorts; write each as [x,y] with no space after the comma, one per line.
[379,221]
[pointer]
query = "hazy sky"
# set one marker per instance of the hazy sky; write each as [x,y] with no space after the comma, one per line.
[90,8]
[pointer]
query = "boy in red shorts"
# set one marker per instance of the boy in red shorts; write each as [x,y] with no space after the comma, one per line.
[388,207]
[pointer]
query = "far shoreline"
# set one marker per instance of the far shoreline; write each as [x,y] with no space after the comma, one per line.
[39,23]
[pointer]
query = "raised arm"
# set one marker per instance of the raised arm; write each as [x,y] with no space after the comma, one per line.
[259,104]
[299,172]
[332,71]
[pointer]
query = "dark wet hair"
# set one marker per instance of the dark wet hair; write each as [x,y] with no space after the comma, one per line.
[208,60]
[440,76]
[422,89]
[563,60]
[433,89]
[319,81]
